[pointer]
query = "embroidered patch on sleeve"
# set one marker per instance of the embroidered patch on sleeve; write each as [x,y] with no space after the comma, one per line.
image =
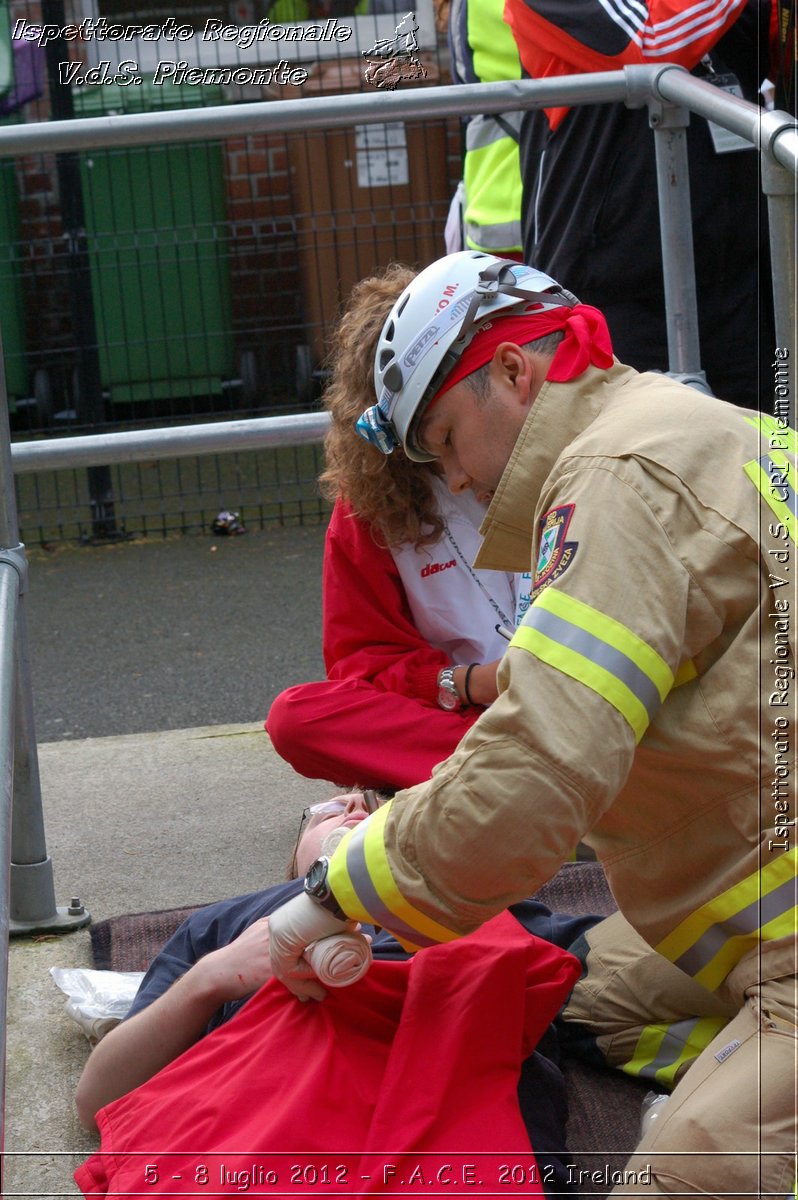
[555,554]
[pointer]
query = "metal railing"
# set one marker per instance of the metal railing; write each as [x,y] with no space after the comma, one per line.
[669,92]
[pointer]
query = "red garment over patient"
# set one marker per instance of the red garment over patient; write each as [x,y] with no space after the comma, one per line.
[402,1083]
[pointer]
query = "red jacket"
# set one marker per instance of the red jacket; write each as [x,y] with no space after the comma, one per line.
[593,36]
[368,631]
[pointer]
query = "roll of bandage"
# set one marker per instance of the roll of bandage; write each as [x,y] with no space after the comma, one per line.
[340,959]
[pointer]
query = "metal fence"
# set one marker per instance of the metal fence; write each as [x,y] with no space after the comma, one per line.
[25,869]
[147,284]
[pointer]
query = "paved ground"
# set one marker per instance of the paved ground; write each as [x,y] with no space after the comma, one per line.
[130,639]
[172,633]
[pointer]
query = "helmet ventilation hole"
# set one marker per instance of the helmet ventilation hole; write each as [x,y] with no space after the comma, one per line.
[392,378]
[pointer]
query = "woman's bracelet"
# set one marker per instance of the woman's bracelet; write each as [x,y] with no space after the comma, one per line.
[466,691]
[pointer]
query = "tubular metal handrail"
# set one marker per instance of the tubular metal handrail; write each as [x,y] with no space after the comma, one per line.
[670,93]
[138,445]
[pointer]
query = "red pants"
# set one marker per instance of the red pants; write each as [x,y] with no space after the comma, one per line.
[350,733]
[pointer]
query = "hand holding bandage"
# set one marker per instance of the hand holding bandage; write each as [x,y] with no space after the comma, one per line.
[293,928]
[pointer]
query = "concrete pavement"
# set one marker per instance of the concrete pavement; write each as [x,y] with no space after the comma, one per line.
[134,823]
[172,633]
[149,637]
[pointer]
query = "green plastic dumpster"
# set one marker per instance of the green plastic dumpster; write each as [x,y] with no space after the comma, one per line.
[157,247]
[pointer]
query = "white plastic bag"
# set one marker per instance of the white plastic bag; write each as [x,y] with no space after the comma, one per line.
[97,1000]
[652,1109]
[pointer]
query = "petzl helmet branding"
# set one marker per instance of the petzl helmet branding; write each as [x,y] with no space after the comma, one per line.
[428,329]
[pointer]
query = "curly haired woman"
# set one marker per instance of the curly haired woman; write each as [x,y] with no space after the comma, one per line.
[409,634]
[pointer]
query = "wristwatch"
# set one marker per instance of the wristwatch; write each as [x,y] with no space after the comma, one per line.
[317,887]
[447,690]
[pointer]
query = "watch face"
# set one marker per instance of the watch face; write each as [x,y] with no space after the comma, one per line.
[316,876]
[447,690]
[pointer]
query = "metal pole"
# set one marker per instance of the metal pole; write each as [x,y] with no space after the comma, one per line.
[89,398]
[9,585]
[676,233]
[327,112]
[32,898]
[776,132]
[779,187]
[33,906]
[181,441]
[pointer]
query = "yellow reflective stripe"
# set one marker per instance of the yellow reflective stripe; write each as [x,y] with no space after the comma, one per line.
[686,672]
[599,652]
[493,188]
[740,895]
[383,881]
[704,1031]
[761,481]
[646,1050]
[662,1049]
[737,946]
[613,632]
[341,884]
[774,488]
[601,681]
[360,873]
[770,428]
[716,936]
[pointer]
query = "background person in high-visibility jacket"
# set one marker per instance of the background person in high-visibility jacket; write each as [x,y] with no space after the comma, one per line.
[647,706]
[483,50]
[591,208]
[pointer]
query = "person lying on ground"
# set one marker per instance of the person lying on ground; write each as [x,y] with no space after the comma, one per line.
[219,958]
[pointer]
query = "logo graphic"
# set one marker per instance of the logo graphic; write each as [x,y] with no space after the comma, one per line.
[392,60]
[434,568]
[555,554]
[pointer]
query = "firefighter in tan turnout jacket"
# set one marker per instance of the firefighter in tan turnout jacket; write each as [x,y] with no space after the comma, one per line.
[647,707]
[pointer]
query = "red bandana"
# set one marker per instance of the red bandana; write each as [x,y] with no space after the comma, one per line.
[586,341]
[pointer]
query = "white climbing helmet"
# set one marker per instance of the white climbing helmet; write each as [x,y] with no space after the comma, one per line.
[428,329]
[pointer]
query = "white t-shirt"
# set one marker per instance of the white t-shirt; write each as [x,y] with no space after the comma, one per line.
[455,607]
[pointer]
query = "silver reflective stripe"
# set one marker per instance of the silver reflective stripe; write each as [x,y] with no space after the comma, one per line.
[598,652]
[484,131]
[746,921]
[671,1047]
[494,236]
[369,897]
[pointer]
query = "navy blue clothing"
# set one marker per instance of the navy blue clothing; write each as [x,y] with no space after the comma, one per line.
[219,924]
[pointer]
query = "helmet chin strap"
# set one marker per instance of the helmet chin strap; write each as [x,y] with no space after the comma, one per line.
[498,279]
